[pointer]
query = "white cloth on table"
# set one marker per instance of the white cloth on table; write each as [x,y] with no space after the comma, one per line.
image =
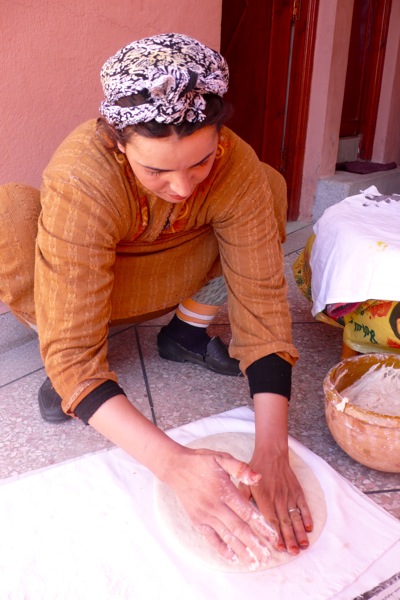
[87,530]
[356,252]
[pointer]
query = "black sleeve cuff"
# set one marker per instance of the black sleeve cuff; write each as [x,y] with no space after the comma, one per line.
[88,406]
[270,374]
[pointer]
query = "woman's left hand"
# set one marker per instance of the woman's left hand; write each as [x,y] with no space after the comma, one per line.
[278,495]
[280,498]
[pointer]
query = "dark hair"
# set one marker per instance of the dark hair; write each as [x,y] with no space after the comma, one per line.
[217,113]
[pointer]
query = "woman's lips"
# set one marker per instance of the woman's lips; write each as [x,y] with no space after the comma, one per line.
[177,198]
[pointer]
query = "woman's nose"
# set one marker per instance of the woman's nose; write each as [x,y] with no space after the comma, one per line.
[181,185]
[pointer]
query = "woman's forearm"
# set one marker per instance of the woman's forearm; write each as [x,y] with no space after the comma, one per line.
[119,421]
[271,422]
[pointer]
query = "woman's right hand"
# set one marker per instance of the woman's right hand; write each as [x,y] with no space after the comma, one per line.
[201,480]
[232,525]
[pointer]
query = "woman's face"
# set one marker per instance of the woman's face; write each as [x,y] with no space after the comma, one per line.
[172,167]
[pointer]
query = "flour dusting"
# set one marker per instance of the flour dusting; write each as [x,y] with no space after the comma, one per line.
[378,390]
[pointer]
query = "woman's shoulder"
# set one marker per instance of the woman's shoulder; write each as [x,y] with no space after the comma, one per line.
[236,151]
[81,148]
[84,166]
[85,170]
[237,159]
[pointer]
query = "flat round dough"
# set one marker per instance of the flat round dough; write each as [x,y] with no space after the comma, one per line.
[181,533]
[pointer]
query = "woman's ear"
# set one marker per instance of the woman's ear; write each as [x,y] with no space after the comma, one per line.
[121,147]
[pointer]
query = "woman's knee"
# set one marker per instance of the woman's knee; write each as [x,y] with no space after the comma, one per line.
[19,213]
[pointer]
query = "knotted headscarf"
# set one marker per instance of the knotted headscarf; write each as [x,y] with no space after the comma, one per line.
[172,71]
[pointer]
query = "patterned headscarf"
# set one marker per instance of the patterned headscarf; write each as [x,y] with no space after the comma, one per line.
[173,72]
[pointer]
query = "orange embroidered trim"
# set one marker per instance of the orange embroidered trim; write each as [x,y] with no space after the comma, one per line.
[180,220]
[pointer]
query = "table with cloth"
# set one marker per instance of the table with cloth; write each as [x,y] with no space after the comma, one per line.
[88,529]
[349,269]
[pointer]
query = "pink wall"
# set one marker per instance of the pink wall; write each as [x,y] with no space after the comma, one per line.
[51,54]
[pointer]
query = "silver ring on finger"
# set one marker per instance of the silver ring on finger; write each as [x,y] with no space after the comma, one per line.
[293,510]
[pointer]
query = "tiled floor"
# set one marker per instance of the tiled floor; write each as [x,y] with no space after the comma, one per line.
[174,394]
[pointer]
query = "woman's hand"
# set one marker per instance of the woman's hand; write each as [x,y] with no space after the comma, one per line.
[281,500]
[200,479]
[278,495]
[230,523]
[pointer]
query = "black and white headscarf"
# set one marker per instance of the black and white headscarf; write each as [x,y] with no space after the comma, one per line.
[172,70]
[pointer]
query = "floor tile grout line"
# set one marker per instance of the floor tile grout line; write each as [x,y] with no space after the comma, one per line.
[3,385]
[127,328]
[289,253]
[304,225]
[389,491]
[146,381]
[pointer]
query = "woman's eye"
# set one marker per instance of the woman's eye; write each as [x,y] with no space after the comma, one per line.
[154,173]
[203,164]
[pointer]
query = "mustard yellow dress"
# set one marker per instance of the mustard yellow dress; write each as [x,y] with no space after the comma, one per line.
[108,250]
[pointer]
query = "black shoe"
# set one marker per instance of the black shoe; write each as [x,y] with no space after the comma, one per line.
[215,359]
[50,404]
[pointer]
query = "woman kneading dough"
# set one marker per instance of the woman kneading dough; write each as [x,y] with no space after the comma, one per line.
[156,206]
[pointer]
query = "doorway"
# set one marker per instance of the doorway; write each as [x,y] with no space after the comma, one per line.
[269,47]
[368,39]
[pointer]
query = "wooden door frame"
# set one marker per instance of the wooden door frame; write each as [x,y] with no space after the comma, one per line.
[379,27]
[277,136]
[305,22]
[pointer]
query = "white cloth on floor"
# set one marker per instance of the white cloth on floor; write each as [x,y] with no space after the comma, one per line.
[355,255]
[87,530]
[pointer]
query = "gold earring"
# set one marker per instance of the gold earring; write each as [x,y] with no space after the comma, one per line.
[220,151]
[120,157]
